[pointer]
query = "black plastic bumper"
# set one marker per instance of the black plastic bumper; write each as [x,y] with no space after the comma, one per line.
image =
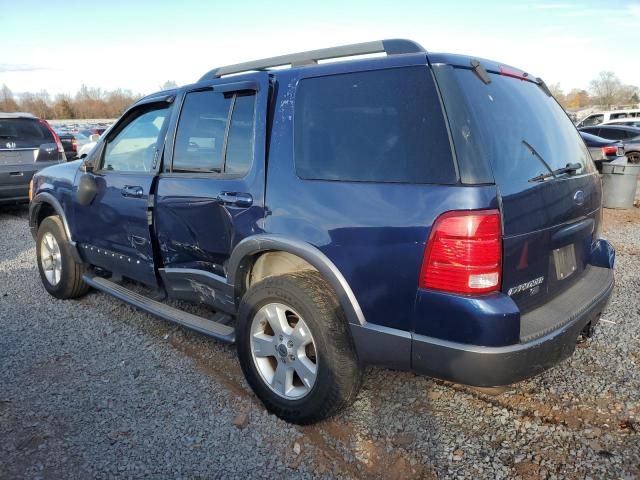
[493,366]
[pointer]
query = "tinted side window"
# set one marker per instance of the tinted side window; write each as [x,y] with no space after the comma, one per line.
[131,149]
[241,132]
[200,137]
[613,133]
[378,126]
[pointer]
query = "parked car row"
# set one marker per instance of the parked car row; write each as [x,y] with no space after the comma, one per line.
[77,142]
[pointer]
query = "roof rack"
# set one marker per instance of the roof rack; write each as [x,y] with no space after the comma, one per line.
[390,47]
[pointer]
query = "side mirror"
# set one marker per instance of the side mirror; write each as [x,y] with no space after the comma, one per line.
[87,189]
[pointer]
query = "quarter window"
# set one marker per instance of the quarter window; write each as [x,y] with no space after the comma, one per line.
[215,133]
[377,126]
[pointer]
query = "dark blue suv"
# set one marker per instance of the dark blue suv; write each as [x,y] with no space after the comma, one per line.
[421,211]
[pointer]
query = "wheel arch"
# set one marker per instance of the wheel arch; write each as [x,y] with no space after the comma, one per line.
[249,250]
[44,205]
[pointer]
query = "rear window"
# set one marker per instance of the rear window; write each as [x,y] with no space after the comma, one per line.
[378,126]
[24,132]
[511,124]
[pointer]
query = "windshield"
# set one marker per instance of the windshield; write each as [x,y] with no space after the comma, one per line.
[513,123]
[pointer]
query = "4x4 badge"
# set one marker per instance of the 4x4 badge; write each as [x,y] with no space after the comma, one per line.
[11,144]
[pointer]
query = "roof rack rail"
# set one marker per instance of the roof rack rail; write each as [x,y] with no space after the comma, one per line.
[390,47]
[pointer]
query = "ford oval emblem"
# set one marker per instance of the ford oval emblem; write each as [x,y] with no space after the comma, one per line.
[578,197]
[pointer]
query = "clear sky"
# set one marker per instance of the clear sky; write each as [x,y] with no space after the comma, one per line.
[139,44]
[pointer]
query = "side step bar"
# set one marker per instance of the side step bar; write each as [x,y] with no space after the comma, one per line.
[213,328]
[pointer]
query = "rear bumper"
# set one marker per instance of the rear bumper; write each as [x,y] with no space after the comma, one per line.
[492,366]
[14,181]
[15,189]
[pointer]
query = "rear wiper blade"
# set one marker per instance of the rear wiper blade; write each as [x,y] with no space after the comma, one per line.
[537,155]
[570,168]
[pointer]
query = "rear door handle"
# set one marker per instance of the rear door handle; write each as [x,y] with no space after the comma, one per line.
[235,198]
[133,191]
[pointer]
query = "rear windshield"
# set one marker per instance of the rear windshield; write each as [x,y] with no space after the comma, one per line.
[24,132]
[377,126]
[510,123]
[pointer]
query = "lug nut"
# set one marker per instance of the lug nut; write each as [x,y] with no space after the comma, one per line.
[281,338]
[292,358]
[290,343]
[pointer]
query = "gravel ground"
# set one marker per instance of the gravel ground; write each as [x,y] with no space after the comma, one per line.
[94,388]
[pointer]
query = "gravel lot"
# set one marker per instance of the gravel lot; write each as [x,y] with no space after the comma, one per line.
[94,388]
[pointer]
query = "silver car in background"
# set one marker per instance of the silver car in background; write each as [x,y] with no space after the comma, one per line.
[27,144]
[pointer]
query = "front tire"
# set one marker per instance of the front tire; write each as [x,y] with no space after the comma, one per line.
[61,275]
[295,348]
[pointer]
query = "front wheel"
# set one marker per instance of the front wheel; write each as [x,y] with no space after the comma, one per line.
[61,275]
[295,348]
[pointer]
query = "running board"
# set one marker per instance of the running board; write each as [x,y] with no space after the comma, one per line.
[212,328]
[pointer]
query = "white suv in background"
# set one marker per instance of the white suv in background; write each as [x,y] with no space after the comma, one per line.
[597,118]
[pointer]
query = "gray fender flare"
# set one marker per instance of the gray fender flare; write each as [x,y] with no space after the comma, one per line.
[34,207]
[250,246]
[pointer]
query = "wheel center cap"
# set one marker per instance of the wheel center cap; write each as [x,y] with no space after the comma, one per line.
[282,350]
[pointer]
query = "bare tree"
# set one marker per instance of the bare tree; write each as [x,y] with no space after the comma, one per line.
[578,98]
[558,93]
[627,94]
[7,102]
[606,88]
[63,107]
[36,103]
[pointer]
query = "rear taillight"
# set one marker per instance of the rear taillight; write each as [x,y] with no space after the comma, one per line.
[56,139]
[74,145]
[609,151]
[464,253]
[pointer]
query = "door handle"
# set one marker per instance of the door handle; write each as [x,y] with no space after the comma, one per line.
[235,198]
[133,191]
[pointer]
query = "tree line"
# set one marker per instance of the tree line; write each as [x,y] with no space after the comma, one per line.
[605,91]
[88,102]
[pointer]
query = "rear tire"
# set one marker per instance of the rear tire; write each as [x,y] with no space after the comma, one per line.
[291,327]
[61,275]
